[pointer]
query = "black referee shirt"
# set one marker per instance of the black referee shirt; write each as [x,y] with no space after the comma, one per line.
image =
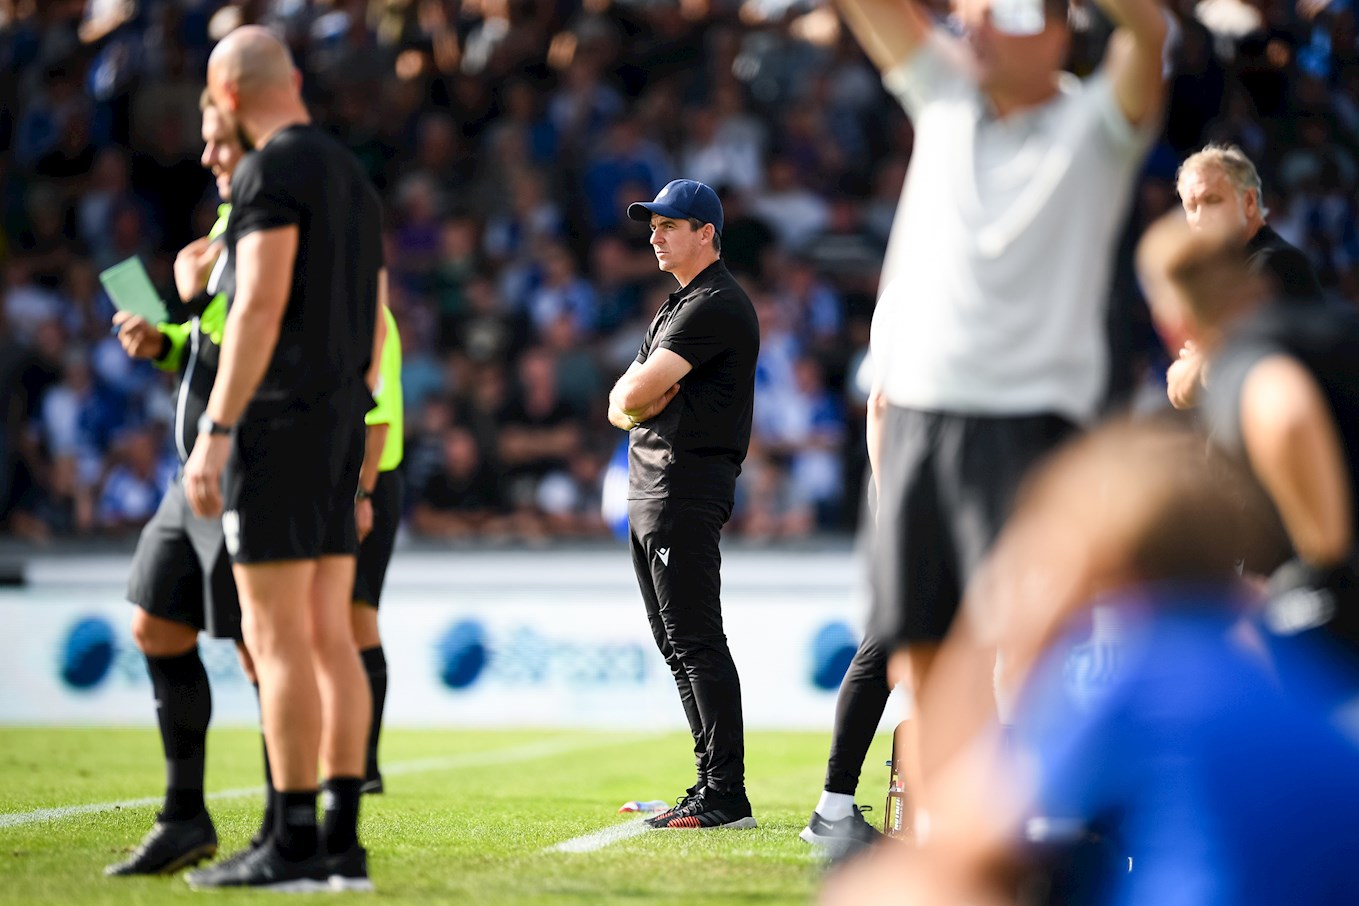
[1270,255]
[304,178]
[695,447]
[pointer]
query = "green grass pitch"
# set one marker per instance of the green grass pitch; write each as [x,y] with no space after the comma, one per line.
[468,817]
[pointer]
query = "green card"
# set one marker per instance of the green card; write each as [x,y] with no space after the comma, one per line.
[129,286]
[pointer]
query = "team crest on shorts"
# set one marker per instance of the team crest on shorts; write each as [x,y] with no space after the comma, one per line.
[231,528]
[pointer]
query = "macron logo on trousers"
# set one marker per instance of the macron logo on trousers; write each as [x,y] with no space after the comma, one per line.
[663,554]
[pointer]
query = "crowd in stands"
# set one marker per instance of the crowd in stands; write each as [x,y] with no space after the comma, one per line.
[507,137]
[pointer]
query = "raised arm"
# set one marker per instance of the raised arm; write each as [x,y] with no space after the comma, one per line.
[888,30]
[1133,59]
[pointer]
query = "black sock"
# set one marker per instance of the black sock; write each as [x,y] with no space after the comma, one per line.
[375,665]
[183,709]
[270,794]
[295,824]
[341,801]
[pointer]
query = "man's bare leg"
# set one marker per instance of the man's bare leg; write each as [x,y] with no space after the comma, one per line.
[279,632]
[345,703]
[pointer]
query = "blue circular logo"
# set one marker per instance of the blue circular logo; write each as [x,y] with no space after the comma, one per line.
[832,650]
[462,654]
[88,653]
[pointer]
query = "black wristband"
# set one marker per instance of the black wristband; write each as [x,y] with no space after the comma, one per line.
[165,347]
[363,493]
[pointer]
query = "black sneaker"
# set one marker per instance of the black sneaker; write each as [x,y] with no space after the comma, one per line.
[709,809]
[681,802]
[168,847]
[847,835]
[372,783]
[348,871]
[240,855]
[264,868]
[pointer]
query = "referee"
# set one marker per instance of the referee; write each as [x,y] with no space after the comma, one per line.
[181,575]
[279,452]
[687,403]
[377,512]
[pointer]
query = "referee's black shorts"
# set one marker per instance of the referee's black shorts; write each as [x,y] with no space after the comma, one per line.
[290,482]
[946,486]
[376,550]
[181,571]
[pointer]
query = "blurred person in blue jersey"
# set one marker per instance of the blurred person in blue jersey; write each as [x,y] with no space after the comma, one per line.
[1191,767]
[181,574]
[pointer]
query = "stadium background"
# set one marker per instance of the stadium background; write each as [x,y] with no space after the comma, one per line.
[506,137]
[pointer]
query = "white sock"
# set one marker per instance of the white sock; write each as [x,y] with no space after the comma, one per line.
[834,806]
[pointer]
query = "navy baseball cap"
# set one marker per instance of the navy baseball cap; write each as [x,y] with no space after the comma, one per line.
[681,199]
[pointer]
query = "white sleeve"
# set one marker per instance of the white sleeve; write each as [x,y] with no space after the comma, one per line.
[937,69]
[1121,133]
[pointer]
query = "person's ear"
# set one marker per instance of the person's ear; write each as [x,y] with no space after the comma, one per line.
[1252,202]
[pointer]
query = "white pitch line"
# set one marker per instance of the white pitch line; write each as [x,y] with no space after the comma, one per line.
[530,752]
[588,843]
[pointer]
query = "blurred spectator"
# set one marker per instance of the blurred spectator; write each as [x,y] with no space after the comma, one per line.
[134,487]
[794,212]
[538,431]
[625,165]
[560,293]
[462,497]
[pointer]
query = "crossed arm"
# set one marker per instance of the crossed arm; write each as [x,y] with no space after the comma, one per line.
[646,388]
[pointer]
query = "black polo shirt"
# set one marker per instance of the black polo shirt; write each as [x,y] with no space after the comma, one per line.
[304,178]
[1270,255]
[694,448]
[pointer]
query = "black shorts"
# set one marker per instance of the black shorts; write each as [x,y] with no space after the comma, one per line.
[376,550]
[947,484]
[290,482]
[181,571]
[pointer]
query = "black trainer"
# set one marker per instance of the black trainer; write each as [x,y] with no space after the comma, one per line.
[349,870]
[709,809]
[680,803]
[372,783]
[264,868]
[843,836]
[168,847]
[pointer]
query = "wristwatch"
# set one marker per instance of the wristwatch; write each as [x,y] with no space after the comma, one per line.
[207,426]
[363,493]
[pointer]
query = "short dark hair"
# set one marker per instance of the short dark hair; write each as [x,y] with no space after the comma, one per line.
[697,224]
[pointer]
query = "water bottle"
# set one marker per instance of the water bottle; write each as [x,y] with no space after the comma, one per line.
[650,805]
[894,822]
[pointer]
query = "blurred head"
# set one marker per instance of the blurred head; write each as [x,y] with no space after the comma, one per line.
[1018,45]
[222,149]
[251,72]
[1220,188]
[461,456]
[1196,280]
